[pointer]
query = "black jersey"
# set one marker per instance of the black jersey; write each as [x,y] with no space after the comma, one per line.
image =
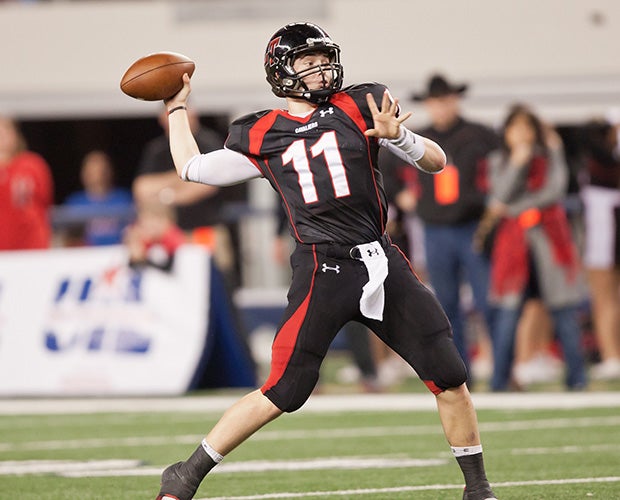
[322,165]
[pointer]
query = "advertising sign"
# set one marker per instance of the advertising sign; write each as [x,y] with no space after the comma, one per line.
[82,322]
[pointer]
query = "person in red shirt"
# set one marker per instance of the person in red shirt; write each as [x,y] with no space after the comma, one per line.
[26,192]
[154,237]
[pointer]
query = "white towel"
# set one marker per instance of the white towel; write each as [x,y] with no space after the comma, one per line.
[372,300]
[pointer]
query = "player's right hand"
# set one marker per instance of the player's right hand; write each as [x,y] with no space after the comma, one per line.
[180,98]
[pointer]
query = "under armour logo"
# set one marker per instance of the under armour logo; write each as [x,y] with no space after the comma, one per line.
[372,251]
[328,111]
[326,268]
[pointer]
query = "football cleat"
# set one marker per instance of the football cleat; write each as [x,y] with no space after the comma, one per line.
[174,485]
[484,493]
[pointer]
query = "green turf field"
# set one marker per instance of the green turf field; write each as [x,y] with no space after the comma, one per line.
[325,451]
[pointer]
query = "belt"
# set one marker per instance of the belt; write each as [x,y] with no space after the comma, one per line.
[347,250]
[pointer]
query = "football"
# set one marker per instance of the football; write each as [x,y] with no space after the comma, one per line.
[156,76]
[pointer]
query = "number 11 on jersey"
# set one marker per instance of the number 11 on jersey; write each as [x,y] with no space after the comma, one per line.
[327,145]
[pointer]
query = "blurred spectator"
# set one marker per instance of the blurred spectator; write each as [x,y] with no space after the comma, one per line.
[198,206]
[26,192]
[107,208]
[154,237]
[533,252]
[451,203]
[601,198]
[536,359]
[364,370]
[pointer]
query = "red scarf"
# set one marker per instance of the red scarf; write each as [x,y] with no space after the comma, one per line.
[510,267]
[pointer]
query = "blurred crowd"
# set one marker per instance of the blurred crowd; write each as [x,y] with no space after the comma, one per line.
[519,236]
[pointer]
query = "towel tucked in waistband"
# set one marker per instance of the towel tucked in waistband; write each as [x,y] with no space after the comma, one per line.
[372,300]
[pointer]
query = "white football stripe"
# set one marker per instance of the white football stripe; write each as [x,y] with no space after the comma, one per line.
[342,463]
[215,404]
[339,433]
[63,466]
[403,489]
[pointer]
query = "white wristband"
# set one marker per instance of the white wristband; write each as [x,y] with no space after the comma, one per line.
[411,144]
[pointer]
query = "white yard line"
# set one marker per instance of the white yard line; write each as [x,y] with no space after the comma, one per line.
[338,433]
[592,448]
[133,468]
[317,403]
[332,463]
[8,467]
[121,467]
[406,489]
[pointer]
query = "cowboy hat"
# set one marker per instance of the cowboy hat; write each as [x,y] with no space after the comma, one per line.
[438,86]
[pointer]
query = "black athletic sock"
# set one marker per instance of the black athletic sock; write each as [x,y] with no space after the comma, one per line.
[473,471]
[196,467]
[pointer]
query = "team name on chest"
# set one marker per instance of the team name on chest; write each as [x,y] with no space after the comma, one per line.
[306,127]
[309,126]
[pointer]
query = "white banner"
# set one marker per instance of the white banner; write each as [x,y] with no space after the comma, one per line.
[81,322]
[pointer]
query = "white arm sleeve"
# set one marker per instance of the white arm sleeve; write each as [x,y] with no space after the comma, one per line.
[222,167]
[408,147]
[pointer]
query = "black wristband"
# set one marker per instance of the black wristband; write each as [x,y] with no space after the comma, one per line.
[175,109]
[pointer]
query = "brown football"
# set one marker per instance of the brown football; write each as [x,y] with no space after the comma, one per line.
[156,76]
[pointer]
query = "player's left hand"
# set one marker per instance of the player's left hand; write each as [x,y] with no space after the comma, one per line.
[386,123]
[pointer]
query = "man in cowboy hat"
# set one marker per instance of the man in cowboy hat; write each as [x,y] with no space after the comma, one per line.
[438,86]
[451,203]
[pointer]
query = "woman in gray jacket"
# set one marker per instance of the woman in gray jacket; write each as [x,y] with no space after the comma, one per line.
[533,252]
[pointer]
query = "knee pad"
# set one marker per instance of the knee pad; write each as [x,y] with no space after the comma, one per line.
[445,368]
[290,395]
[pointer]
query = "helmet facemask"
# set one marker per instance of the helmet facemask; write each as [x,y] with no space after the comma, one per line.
[293,83]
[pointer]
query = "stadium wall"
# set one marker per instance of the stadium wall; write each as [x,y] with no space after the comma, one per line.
[65,58]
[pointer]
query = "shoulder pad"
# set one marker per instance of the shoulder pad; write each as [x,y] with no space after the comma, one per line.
[364,87]
[251,118]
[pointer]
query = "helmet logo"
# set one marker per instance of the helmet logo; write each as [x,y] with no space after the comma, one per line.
[270,58]
[322,41]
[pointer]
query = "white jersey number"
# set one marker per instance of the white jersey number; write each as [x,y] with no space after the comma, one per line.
[327,145]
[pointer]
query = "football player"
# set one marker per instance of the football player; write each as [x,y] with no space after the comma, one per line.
[320,155]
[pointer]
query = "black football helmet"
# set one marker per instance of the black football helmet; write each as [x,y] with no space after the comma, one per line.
[287,44]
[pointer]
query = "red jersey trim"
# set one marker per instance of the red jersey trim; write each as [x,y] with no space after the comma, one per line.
[433,387]
[346,103]
[284,343]
[299,119]
[263,124]
[407,261]
[256,135]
